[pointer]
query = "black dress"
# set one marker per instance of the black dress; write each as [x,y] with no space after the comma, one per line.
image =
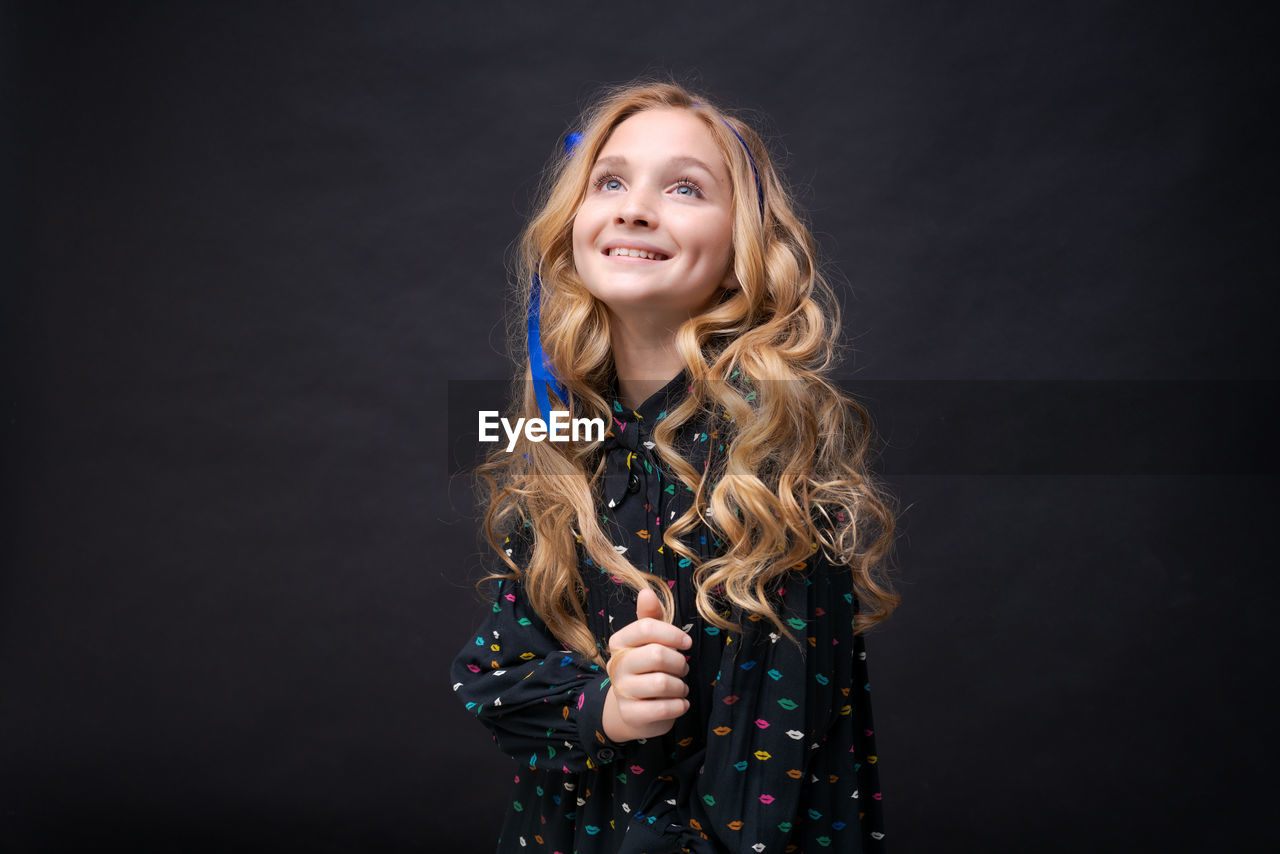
[776,752]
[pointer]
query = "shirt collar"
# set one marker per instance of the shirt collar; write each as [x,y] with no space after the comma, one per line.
[655,407]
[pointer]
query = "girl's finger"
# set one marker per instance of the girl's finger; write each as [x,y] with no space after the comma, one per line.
[650,658]
[648,630]
[657,686]
[655,711]
[650,686]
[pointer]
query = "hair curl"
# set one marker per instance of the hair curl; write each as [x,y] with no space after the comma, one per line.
[793,477]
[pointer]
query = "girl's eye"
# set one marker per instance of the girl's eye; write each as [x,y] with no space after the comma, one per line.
[686,184]
[608,182]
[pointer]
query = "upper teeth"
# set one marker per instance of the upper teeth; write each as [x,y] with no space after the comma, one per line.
[636,253]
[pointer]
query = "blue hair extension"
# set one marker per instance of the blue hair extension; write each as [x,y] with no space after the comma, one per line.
[538,364]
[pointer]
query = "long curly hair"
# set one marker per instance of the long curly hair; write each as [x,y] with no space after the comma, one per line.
[793,476]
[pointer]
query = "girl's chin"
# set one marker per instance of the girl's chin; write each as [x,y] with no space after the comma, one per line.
[648,304]
[647,298]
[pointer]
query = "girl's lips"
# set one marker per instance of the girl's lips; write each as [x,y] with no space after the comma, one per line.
[627,259]
[619,250]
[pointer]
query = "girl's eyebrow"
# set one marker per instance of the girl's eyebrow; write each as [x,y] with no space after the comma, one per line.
[681,161]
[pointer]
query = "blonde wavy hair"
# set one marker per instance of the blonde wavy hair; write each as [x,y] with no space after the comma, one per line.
[792,478]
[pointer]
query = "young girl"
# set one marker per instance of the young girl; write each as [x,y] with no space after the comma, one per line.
[675,653]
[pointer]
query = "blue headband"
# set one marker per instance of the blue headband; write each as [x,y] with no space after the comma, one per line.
[750,159]
[538,364]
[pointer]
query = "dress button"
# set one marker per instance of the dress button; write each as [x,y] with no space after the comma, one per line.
[633,483]
[605,754]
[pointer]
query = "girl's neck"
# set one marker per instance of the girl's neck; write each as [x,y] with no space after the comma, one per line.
[645,359]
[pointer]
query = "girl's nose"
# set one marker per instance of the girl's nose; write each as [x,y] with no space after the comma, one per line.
[636,209]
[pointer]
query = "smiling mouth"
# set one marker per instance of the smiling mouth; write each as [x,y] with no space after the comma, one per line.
[624,252]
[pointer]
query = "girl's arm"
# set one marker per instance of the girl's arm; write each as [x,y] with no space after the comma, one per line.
[542,703]
[784,737]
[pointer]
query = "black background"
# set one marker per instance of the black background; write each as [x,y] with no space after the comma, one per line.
[247,247]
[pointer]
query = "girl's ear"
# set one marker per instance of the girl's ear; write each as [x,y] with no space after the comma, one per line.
[731,282]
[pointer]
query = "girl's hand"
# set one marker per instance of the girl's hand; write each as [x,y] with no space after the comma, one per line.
[646,675]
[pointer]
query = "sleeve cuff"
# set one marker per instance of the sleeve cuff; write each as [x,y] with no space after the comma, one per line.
[600,749]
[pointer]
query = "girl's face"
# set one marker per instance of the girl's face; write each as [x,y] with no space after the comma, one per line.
[659,185]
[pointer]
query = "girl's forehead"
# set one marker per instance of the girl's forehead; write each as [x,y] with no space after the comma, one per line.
[655,137]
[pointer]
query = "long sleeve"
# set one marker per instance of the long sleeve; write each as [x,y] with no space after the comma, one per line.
[784,751]
[542,703]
